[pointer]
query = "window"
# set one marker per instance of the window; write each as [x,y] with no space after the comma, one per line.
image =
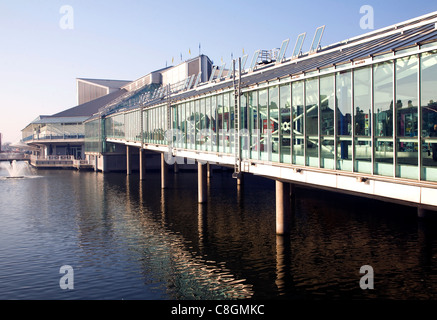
[428,105]
[312,122]
[298,127]
[344,119]
[327,105]
[362,119]
[406,117]
[383,118]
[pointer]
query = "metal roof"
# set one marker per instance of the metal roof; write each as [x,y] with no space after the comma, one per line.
[409,33]
[89,108]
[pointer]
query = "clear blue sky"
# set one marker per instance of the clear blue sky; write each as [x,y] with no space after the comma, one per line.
[40,61]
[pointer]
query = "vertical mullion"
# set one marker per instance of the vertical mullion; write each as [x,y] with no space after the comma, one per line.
[419,117]
[353,119]
[394,120]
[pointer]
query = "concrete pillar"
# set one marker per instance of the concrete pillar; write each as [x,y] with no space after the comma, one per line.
[202,180]
[128,167]
[283,208]
[164,172]
[142,164]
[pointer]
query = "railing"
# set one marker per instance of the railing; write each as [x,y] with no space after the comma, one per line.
[54,137]
[14,156]
[59,161]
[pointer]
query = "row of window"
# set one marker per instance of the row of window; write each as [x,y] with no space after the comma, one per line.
[376,119]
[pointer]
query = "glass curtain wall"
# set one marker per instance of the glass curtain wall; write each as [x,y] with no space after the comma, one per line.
[362,118]
[265,125]
[383,118]
[297,103]
[274,122]
[428,108]
[407,117]
[327,107]
[285,122]
[344,120]
[312,122]
[252,104]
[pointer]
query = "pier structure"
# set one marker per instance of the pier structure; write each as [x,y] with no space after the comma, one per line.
[355,117]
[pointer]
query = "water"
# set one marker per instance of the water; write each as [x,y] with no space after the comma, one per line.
[127,239]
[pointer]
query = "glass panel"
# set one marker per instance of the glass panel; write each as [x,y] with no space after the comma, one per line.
[253,122]
[383,118]
[184,126]
[312,122]
[274,121]
[344,116]
[428,66]
[362,116]
[208,125]
[214,124]
[327,105]
[406,118]
[220,122]
[298,123]
[244,132]
[265,125]
[285,123]
[226,123]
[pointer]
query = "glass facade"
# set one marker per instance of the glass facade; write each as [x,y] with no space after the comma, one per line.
[375,119]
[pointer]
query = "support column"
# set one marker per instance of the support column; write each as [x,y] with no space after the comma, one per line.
[164,172]
[202,180]
[283,208]
[128,168]
[142,164]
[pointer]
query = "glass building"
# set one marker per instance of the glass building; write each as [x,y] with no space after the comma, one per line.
[367,105]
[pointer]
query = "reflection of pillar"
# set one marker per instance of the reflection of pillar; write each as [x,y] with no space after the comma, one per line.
[421,212]
[202,224]
[240,179]
[202,182]
[164,172]
[283,208]
[209,169]
[283,273]
[142,164]
[175,167]
[128,168]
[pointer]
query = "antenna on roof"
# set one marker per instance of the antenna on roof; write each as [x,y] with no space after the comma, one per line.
[316,40]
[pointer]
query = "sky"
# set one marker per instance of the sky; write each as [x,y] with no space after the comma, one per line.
[43,49]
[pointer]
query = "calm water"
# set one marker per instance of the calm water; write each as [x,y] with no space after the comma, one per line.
[127,239]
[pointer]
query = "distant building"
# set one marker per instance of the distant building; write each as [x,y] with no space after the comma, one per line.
[63,133]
